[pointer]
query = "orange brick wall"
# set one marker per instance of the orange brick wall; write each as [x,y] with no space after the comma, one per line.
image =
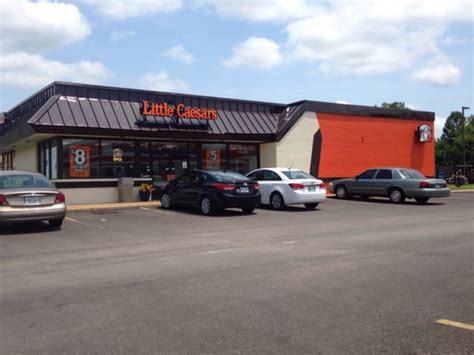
[352,144]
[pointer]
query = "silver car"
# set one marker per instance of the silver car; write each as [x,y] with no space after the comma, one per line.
[394,183]
[26,197]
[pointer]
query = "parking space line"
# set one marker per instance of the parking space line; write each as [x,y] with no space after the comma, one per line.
[79,222]
[455,324]
[152,210]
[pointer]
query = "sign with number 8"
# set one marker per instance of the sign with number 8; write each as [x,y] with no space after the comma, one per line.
[79,165]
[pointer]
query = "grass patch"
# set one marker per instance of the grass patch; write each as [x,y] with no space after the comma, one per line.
[462,187]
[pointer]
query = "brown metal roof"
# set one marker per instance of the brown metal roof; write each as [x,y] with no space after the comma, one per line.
[80,109]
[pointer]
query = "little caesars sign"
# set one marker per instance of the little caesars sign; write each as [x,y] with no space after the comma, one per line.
[179,111]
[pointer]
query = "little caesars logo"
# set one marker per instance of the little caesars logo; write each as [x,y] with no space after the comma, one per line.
[425,133]
[180,111]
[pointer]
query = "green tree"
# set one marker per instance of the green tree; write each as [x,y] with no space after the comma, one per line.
[449,146]
[396,104]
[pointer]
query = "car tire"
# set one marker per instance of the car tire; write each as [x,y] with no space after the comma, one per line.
[248,210]
[422,200]
[166,201]
[341,192]
[55,223]
[311,206]
[276,201]
[206,206]
[396,195]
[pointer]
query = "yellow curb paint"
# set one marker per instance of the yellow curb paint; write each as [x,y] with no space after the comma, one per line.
[152,210]
[455,324]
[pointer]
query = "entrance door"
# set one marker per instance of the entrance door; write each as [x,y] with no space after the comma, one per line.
[171,160]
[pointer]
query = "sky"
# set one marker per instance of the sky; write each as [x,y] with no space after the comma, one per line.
[363,52]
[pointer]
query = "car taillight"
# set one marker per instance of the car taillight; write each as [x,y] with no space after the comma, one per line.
[256,186]
[3,200]
[60,198]
[296,186]
[424,184]
[223,187]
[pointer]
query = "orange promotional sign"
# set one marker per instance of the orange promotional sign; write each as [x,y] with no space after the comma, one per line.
[181,111]
[79,161]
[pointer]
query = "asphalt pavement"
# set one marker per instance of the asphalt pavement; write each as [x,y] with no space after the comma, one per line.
[349,277]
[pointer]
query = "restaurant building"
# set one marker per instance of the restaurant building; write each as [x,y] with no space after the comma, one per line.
[86,137]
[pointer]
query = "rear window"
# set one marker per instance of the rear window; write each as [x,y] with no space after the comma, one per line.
[411,174]
[222,176]
[23,181]
[297,174]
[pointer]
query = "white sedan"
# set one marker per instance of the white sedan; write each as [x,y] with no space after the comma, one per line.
[285,186]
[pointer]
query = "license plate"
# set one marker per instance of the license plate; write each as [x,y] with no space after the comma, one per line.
[311,188]
[438,186]
[244,190]
[32,200]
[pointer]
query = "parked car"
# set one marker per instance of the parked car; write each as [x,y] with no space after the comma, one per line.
[212,191]
[285,186]
[26,197]
[394,183]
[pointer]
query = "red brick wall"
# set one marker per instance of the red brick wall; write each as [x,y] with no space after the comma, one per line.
[352,144]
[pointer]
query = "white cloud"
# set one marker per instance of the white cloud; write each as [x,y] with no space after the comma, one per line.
[438,74]
[39,26]
[453,40]
[122,9]
[263,10]
[179,53]
[372,36]
[117,35]
[257,52]
[162,82]
[439,125]
[32,70]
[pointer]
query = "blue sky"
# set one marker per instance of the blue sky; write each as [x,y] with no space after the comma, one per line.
[360,52]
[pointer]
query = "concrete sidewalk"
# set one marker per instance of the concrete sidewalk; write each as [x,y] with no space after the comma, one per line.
[97,206]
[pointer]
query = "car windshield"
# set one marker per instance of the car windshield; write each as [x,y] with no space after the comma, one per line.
[222,176]
[411,174]
[297,174]
[23,181]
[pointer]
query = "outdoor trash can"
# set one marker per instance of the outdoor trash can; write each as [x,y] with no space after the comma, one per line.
[125,189]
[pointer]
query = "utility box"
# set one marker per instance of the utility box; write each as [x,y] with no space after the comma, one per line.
[125,189]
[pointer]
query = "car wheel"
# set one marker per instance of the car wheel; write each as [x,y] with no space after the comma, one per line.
[276,201]
[422,199]
[310,206]
[166,200]
[248,210]
[55,223]
[397,196]
[341,192]
[206,206]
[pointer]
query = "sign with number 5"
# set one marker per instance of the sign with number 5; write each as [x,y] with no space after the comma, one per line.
[79,161]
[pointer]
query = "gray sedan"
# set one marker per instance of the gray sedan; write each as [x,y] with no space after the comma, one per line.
[26,197]
[395,183]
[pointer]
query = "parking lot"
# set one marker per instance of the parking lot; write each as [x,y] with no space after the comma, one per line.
[349,277]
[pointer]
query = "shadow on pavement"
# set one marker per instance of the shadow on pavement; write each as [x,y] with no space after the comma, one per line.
[25,228]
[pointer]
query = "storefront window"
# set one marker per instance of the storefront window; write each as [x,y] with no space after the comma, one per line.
[242,158]
[7,161]
[145,159]
[169,160]
[118,158]
[81,158]
[48,154]
[214,156]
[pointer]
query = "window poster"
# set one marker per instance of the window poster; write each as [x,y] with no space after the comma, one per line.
[79,161]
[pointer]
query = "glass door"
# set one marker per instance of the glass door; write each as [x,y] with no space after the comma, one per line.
[170,160]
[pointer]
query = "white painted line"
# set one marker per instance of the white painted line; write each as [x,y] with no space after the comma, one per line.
[79,222]
[455,324]
[152,210]
[217,251]
[290,242]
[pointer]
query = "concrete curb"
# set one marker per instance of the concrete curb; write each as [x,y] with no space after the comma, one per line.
[456,191]
[99,206]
